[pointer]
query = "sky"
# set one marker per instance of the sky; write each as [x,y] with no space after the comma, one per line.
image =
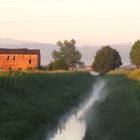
[89,22]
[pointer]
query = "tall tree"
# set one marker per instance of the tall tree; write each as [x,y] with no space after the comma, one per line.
[135,54]
[67,52]
[106,59]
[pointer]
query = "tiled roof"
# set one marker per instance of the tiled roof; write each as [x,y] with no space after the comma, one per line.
[18,51]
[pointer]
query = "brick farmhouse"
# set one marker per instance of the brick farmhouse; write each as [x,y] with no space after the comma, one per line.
[19,59]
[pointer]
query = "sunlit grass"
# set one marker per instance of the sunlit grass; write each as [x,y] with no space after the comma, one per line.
[117,72]
[133,74]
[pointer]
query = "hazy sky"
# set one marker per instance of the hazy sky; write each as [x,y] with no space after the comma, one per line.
[87,21]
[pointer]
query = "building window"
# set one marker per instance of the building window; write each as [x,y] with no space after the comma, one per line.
[7,58]
[10,68]
[30,61]
[14,57]
[19,69]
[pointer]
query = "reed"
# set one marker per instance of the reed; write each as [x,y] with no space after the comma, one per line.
[32,102]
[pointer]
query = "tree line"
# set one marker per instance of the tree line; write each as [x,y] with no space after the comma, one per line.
[106,58]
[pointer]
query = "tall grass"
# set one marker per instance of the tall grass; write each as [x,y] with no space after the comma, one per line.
[133,74]
[119,72]
[31,103]
[117,117]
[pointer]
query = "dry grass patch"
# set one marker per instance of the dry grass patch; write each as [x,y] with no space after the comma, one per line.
[119,72]
[133,74]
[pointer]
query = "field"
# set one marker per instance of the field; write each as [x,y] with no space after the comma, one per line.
[117,117]
[31,103]
[133,74]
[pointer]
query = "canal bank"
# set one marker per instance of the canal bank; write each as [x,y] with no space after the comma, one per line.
[31,103]
[73,126]
[117,117]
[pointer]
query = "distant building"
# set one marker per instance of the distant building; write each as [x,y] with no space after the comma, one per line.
[88,68]
[19,59]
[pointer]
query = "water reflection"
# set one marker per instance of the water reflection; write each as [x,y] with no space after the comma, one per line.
[74,130]
[75,126]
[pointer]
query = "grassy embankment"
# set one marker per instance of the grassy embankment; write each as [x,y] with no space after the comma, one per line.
[117,117]
[134,74]
[31,103]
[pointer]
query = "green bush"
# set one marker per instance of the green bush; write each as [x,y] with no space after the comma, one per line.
[58,65]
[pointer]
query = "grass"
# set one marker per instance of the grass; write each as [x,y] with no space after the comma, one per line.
[120,72]
[31,103]
[133,74]
[117,117]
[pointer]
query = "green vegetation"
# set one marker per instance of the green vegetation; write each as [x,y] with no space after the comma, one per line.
[67,56]
[119,72]
[117,117]
[133,74]
[106,59]
[31,103]
[59,64]
[135,54]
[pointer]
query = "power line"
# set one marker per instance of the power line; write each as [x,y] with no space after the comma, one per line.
[70,20]
[35,1]
[30,1]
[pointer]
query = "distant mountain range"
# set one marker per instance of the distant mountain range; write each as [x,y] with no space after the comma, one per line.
[88,51]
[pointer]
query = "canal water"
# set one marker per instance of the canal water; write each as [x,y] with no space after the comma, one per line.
[74,127]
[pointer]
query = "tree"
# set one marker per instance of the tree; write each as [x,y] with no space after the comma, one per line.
[106,59]
[57,65]
[135,54]
[68,53]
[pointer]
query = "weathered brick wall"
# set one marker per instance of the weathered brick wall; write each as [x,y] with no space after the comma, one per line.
[16,61]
